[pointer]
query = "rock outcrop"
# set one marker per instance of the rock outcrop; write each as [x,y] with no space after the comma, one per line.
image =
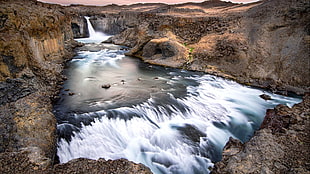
[282,145]
[20,163]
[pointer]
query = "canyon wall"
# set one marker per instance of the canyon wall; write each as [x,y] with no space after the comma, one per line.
[263,44]
[35,40]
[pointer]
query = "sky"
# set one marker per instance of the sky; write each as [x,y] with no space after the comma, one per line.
[123,2]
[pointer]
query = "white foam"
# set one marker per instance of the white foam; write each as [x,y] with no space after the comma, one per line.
[151,136]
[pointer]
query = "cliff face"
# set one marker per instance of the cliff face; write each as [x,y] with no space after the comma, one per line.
[31,37]
[262,44]
[79,26]
[35,39]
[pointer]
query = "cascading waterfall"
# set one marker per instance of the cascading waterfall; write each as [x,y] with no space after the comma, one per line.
[90,28]
[171,120]
[94,36]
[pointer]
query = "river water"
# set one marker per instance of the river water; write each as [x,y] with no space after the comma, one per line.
[171,120]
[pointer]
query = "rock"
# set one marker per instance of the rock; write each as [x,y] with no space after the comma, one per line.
[106,86]
[71,93]
[35,42]
[18,162]
[102,166]
[109,40]
[13,89]
[278,147]
[158,51]
[265,96]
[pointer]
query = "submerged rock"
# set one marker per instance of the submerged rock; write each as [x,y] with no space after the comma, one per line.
[106,86]
[265,97]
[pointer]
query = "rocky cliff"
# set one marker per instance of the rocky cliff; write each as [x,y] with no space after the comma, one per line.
[261,44]
[35,39]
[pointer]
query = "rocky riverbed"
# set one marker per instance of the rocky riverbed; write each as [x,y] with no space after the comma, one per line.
[263,44]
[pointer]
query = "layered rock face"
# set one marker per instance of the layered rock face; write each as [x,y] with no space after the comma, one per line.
[35,39]
[262,44]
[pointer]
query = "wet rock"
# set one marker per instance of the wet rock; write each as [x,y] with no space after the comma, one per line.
[269,50]
[109,40]
[106,86]
[71,93]
[265,96]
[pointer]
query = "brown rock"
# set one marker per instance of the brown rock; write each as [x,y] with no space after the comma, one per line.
[101,166]
[281,146]
[265,97]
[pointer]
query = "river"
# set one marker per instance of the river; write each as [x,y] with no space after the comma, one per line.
[172,120]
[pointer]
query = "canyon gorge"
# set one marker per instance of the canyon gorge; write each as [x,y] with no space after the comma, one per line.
[264,44]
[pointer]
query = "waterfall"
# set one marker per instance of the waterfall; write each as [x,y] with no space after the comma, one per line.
[91,30]
[94,36]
